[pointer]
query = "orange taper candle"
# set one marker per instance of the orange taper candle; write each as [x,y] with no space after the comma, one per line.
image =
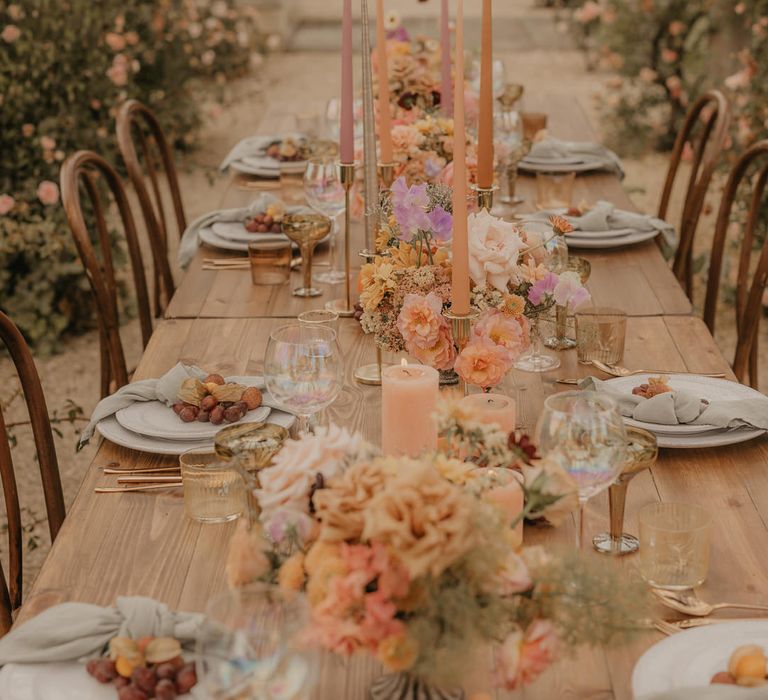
[385,116]
[459,244]
[485,123]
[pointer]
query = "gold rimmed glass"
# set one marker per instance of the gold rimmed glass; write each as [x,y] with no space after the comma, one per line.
[214,490]
[554,190]
[270,262]
[306,230]
[600,334]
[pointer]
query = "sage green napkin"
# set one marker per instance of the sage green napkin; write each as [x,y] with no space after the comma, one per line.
[681,407]
[72,631]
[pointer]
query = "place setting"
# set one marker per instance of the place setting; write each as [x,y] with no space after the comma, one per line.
[268,156]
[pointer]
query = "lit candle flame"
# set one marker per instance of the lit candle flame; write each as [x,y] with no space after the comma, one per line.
[403,362]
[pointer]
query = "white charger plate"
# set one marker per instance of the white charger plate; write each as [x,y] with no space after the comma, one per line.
[610,240]
[155,419]
[560,160]
[610,234]
[235,231]
[553,166]
[690,658]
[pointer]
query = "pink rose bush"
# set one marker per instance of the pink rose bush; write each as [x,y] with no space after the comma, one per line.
[6,204]
[48,192]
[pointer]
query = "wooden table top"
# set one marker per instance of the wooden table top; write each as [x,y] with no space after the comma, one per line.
[142,544]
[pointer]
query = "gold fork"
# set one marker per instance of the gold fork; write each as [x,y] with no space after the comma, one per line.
[619,371]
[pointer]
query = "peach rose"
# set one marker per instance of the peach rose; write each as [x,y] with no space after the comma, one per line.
[510,333]
[441,355]
[494,249]
[420,320]
[10,33]
[6,204]
[513,577]
[406,139]
[48,192]
[482,363]
[291,574]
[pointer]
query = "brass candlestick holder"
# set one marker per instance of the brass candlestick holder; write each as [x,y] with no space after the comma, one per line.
[485,196]
[386,175]
[370,374]
[344,307]
[461,325]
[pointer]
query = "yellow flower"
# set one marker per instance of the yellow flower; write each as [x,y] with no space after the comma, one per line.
[376,279]
[513,305]
[291,574]
[397,652]
[560,224]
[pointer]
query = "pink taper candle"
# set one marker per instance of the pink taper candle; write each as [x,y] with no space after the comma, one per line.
[347,128]
[485,121]
[446,91]
[459,245]
[385,117]
[409,395]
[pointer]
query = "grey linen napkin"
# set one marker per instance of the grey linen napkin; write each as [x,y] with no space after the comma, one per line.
[716,691]
[71,631]
[251,146]
[190,240]
[681,407]
[551,148]
[604,216]
[165,389]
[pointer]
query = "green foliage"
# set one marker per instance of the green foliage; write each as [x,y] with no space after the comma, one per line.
[65,67]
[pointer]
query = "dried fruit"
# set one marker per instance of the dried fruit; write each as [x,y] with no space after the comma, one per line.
[228,392]
[214,379]
[192,391]
[163,649]
[143,642]
[124,665]
[252,397]
[209,403]
[165,690]
[122,646]
[217,415]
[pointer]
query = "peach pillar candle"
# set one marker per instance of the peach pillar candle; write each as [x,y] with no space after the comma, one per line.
[409,396]
[347,131]
[446,90]
[492,408]
[385,116]
[510,499]
[485,122]
[459,244]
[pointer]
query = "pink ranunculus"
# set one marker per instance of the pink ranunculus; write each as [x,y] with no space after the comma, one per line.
[648,75]
[494,249]
[6,204]
[521,659]
[47,143]
[420,320]
[740,79]
[482,363]
[10,33]
[48,192]
[505,331]
[441,355]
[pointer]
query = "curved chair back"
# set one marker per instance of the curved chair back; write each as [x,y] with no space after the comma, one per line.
[752,166]
[83,173]
[10,590]
[137,124]
[713,109]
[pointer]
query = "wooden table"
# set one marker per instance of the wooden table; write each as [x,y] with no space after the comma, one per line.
[142,544]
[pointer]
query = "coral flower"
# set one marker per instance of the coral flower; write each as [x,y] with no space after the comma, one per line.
[482,363]
[560,224]
[441,355]
[523,658]
[505,331]
[420,320]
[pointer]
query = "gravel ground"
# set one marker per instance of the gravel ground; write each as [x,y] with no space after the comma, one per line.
[305,76]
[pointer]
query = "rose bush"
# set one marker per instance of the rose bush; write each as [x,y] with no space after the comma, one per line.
[65,68]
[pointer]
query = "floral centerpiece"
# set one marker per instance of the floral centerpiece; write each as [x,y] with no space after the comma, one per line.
[415,560]
[405,291]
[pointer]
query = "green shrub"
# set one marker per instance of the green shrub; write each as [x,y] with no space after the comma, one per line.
[65,67]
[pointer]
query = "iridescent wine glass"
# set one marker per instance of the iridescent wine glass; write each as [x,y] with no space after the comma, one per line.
[324,193]
[584,432]
[303,369]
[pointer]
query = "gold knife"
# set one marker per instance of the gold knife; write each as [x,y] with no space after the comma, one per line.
[126,489]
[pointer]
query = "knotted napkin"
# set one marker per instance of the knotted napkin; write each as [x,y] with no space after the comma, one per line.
[249,147]
[165,389]
[605,217]
[72,631]
[682,407]
[716,691]
[556,149]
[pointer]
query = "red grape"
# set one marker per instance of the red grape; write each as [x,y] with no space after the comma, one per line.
[203,416]
[209,403]
[131,692]
[188,414]
[186,678]
[165,690]
[217,415]
[144,679]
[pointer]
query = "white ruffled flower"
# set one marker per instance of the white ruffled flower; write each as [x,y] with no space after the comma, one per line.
[494,250]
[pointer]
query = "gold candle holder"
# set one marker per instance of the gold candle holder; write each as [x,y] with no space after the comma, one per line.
[485,196]
[370,374]
[386,175]
[344,307]
[461,325]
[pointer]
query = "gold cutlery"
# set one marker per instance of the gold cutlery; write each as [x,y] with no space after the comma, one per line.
[127,489]
[619,371]
[672,626]
[148,470]
[567,380]
[689,603]
[148,479]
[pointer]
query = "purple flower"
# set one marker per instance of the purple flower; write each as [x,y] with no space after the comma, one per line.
[413,196]
[543,288]
[399,34]
[409,206]
[441,223]
[433,167]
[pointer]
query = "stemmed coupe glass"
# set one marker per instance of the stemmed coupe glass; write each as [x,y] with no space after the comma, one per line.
[303,369]
[584,432]
[324,193]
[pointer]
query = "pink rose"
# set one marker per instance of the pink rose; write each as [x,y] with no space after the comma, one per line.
[441,355]
[523,658]
[420,320]
[48,192]
[494,249]
[10,33]
[6,204]
[47,143]
[510,333]
[115,41]
[482,363]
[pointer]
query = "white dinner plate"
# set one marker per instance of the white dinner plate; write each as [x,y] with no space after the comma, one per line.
[690,658]
[54,681]
[236,232]
[155,419]
[609,234]
[610,240]
[261,165]
[564,160]
[553,166]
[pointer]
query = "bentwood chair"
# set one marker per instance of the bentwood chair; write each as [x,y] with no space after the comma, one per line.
[85,178]
[712,113]
[751,169]
[10,590]
[137,124]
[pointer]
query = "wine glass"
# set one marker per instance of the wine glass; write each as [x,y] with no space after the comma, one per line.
[303,369]
[249,645]
[306,230]
[324,193]
[584,432]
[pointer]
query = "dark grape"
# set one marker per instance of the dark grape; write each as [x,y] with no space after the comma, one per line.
[217,415]
[186,678]
[242,405]
[144,679]
[165,690]
[177,407]
[267,219]
[203,416]
[188,414]
[233,414]
[120,681]
[276,228]
[131,692]
[166,670]
[209,403]
[103,670]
